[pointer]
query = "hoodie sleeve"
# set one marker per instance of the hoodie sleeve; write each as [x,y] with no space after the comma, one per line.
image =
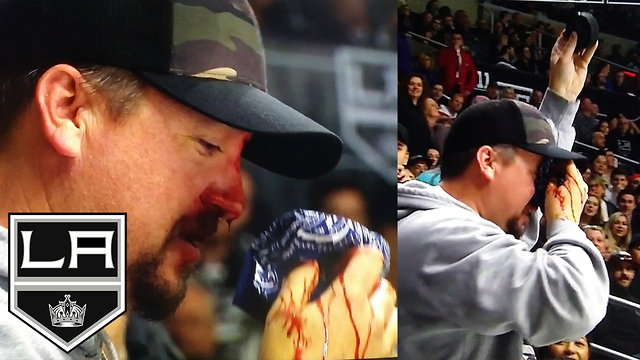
[561,113]
[486,281]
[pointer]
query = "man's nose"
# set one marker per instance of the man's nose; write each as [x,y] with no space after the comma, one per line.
[226,193]
[570,348]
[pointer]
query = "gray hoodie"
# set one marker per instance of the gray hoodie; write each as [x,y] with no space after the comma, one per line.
[20,342]
[467,290]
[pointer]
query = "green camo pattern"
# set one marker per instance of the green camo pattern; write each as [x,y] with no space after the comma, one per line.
[538,129]
[218,39]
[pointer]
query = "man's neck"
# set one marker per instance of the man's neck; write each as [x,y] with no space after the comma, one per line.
[463,193]
[21,191]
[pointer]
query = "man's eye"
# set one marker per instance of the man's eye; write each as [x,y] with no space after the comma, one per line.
[209,147]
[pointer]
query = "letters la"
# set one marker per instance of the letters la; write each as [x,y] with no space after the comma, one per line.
[67,273]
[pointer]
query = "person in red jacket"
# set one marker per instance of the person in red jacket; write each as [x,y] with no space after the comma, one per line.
[457,72]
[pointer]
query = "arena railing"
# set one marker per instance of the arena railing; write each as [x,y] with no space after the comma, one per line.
[614,300]
[625,160]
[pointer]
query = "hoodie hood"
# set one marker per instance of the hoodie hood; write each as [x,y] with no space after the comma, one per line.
[416,195]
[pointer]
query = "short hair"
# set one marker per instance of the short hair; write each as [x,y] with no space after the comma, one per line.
[586,228]
[622,193]
[453,166]
[619,171]
[504,49]
[18,86]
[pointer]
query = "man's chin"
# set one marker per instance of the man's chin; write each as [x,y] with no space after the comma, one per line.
[153,296]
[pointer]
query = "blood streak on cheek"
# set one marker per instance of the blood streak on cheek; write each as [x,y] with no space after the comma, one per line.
[325,320]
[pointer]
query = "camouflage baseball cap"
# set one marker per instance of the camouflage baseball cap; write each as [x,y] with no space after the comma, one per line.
[206,54]
[504,122]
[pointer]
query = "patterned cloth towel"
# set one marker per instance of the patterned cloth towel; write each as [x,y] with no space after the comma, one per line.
[292,239]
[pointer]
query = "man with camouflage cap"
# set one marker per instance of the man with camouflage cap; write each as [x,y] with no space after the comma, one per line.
[144,107]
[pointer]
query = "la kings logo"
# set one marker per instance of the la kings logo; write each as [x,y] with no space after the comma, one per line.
[67,273]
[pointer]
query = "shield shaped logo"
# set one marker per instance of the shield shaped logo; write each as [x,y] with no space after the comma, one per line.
[67,273]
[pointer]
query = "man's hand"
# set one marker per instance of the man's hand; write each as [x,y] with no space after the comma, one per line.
[355,318]
[565,202]
[568,71]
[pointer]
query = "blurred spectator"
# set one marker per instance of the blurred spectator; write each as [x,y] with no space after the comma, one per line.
[506,58]
[412,95]
[598,140]
[437,130]
[495,51]
[624,139]
[597,187]
[457,72]
[603,127]
[343,198]
[482,29]
[536,98]
[616,232]
[634,88]
[425,68]
[508,93]
[404,48]
[612,162]
[417,165]
[454,106]
[192,326]
[616,55]
[575,350]
[620,328]
[599,76]
[591,214]
[599,164]
[634,250]
[524,61]
[505,18]
[619,84]
[403,152]
[437,94]
[432,7]
[619,181]
[434,158]
[634,63]
[595,233]
[585,121]
[498,28]
[627,205]
[626,202]
[492,91]
[634,181]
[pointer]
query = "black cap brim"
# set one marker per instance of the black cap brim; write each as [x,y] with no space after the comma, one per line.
[552,151]
[284,140]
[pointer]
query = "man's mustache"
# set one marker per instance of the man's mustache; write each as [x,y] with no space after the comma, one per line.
[199,226]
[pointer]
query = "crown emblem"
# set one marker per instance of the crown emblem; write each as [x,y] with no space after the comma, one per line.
[67,313]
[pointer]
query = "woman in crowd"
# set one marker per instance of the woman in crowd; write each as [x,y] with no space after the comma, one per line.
[437,130]
[412,95]
[591,214]
[577,349]
[599,164]
[603,127]
[617,232]
[599,77]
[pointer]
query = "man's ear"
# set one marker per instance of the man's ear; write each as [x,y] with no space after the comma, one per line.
[61,98]
[486,160]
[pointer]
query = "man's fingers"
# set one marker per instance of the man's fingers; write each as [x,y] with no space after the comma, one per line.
[588,54]
[299,285]
[362,273]
[383,301]
[570,46]
[391,332]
